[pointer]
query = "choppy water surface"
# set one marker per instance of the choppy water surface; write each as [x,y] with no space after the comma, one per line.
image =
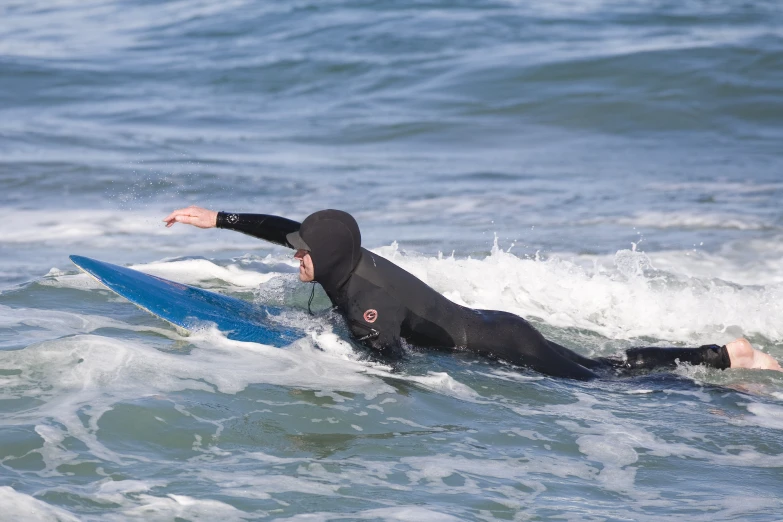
[610,170]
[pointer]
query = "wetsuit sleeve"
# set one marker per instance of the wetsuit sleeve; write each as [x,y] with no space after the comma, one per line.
[269,228]
[386,344]
[374,318]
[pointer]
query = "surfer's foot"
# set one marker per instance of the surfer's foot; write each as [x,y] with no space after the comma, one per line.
[743,355]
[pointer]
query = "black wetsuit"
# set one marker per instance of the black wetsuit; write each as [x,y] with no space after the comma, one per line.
[384,304]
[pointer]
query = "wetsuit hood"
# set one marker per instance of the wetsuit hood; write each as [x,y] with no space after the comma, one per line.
[334,243]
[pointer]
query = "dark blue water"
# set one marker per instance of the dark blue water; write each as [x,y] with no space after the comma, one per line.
[610,170]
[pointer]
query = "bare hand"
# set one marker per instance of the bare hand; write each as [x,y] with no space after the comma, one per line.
[193,215]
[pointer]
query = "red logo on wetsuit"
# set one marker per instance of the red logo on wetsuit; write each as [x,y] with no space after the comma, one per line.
[370,315]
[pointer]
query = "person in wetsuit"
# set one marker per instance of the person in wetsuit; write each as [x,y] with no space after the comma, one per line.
[384,304]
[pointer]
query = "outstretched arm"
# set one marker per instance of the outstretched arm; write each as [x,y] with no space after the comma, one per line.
[269,228]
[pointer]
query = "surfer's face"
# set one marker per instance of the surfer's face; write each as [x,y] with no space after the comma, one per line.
[306,268]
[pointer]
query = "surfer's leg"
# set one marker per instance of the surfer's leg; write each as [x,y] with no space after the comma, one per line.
[581,360]
[743,355]
[652,358]
[505,336]
[736,354]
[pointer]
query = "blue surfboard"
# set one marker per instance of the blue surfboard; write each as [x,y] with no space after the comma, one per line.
[189,307]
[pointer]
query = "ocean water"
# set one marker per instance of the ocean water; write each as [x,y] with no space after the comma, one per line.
[612,171]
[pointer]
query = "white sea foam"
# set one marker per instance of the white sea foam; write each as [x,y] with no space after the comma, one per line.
[766,415]
[444,383]
[174,507]
[618,301]
[750,262]
[18,506]
[391,514]
[268,484]
[200,270]
[757,262]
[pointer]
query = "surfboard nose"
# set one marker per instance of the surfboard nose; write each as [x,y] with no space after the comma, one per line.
[85,263]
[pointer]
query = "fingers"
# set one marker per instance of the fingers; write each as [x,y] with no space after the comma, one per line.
[171,218]
[192,215]
[187,220]
[178,216]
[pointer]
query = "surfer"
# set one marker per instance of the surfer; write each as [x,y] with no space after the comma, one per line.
[384,305]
